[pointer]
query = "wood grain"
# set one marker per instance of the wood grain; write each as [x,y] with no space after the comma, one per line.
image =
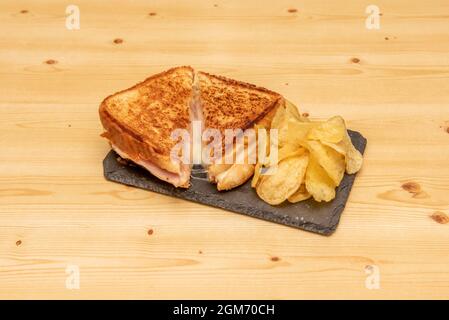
[57,210]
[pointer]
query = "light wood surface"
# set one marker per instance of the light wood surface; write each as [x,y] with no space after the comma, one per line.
[57,210]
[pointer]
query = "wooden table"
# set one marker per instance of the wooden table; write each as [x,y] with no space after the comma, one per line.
[58,215]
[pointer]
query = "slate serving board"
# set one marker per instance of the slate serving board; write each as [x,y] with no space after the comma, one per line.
[309,215]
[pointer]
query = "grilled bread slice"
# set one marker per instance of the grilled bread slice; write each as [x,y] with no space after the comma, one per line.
[231,104]
[138,122]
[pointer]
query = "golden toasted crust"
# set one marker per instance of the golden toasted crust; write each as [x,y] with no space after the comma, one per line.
[140,119]
[231,104]
[266,119]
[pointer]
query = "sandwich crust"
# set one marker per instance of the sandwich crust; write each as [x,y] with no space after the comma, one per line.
[231,104]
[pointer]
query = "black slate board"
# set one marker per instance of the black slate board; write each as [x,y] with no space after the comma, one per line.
[309,215]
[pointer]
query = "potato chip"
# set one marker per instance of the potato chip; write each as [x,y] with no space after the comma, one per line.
[256,177]
[287,151]
[291,110]
[282,120]
[331,161]
[268,145]
[263,141]
[280,123]
[297,132]
[339,147]
[354,158]
[300,195]
[290,123]
[318,183]
[332,130]
[281,182]
[283,132]
[278,118]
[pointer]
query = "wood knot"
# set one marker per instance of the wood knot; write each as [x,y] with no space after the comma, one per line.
[292,10]
[415,190]
[24,11]
[18,242]
[355,60]
[152,14]
[150,232]
[411,187]
[275,259]
[118,41]
[51,61]
[440,217]
[305,114]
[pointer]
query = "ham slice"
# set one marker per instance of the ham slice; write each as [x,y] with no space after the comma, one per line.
[178,180]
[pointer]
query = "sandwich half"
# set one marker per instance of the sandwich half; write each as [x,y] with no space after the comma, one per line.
[138,122]
[231,104]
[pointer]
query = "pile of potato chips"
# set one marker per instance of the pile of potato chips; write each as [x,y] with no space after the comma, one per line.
[312,159]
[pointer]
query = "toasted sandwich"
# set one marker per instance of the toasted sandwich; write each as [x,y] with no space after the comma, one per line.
[138,122]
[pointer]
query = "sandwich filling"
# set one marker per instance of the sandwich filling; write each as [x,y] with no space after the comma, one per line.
[177,179]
